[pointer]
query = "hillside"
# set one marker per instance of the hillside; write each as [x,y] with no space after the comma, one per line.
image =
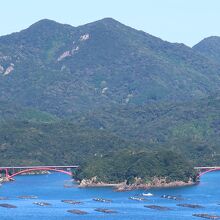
[62,69]
[190,131]
[191,128]
[27,142]
[99,153]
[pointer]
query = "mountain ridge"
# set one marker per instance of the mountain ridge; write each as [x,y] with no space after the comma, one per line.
[209,47]
[102,63]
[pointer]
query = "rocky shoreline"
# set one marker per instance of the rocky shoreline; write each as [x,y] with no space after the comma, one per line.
[3,180]
[138,184]
[123,186]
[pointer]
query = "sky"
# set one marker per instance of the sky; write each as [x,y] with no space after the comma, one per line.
[182,21]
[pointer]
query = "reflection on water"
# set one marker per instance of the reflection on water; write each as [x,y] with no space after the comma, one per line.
[51,189]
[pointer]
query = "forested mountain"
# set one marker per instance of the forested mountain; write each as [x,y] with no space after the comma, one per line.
[105,92]
[62,69]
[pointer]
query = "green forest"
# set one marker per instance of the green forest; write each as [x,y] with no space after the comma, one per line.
[120,103]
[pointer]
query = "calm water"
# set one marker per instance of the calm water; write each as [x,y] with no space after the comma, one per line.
[50,188]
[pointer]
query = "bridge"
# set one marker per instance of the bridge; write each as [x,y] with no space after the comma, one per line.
[203,170]
[10,172]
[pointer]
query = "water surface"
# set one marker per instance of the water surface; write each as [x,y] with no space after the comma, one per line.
[50,188]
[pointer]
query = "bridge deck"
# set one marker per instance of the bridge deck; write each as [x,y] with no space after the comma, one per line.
[31,167]
[200,168]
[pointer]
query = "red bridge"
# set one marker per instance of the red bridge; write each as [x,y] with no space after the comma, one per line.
[11,172]
[203,170]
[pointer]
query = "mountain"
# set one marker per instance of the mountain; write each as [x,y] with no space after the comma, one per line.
[62,69]
[210,48]
[109,97]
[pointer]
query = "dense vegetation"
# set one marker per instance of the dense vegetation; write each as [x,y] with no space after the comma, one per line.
[128,165]
[62,69]
[111,148]
[99,153]
[119,102]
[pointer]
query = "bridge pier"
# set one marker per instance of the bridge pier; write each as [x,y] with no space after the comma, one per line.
[5,172]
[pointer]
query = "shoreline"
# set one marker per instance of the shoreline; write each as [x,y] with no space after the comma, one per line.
[3,180]
[120,187]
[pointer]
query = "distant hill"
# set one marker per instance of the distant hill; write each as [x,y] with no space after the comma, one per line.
[63,69]
[210,48]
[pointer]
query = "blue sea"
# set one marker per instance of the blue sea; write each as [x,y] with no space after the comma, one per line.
[51,188]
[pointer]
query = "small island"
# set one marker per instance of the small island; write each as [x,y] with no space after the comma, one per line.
[142,170]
